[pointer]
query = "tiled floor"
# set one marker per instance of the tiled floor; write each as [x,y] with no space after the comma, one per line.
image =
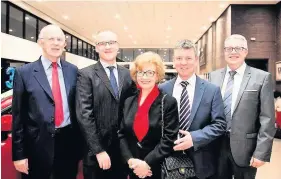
[272,170]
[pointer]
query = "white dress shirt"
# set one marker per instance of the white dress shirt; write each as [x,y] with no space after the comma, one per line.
[190,89]
[238,77]
[105,65]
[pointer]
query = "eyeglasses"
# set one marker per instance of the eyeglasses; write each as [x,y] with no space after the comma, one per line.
[103,44]
[237,49]
[148,73]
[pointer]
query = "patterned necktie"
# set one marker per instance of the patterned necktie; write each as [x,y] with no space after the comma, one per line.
[227,99]
[57,95]
[185,109]
[113,81]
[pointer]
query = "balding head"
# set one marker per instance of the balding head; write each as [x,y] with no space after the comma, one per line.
[52,41]
[51,30]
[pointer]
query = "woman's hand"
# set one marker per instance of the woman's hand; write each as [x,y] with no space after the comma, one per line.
[142,169]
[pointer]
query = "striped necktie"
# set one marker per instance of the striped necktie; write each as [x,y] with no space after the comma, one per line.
[185,109]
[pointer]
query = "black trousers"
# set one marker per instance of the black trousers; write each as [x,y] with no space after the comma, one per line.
[66,157]
[118,169]
[227,166]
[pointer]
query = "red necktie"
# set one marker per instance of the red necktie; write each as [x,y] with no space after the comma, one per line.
[57,95]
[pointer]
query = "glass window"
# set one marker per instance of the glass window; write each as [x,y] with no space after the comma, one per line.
[128,54]
[119,54]
[16,22]
[89,51]
[85,48]
[138,51]
[3,17]
[68,42]
[41,24]
[164,53]
[151,50]
[80,48]
[171,54]
[74,45]
[94,53]
[30,27]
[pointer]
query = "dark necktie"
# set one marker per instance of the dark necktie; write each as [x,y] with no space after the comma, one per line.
[57,95]
[185,109]
[227,99]
[113,81]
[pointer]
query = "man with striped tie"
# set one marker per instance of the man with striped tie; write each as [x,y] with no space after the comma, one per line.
[249,108]
[201,113]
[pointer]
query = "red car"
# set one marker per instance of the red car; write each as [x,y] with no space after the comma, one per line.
[8,170]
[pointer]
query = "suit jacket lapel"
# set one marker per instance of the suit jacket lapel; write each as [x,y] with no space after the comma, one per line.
[221,78]
[170,86]
[246,77]
[65,76]
[103,76]
[120,79]
[40,75]
[199,90]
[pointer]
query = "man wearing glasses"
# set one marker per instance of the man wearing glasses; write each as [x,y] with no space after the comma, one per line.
[249,108]
[45,131]
[101,91]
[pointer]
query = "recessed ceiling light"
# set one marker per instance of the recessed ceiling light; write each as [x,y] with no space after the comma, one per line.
[135,42]
[168,36]
[139,49]
[67,36]
[32,37]
[212,19]
[222,5]
[125,28]
[117,16]
[169,28]
[26,18]
[11,30]
[94,36]
[65,17]
[130,36]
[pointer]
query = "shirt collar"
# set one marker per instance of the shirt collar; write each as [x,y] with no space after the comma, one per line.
[47,63]
[105,65]
[191,80]
[239,71]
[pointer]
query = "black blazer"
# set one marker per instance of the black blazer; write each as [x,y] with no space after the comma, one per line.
[98,111]
[153,148]
[33,115]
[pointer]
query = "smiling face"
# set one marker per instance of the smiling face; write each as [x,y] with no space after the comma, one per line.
[107,46]
[235,51]
[146,76]
[52,42]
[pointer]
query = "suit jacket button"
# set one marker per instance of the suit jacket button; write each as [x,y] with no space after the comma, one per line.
[53,135]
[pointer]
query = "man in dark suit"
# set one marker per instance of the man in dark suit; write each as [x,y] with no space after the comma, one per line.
[101,91]
[45,129]
[249,108]
[200,110]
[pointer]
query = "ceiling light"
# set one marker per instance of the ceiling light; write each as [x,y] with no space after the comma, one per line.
[168,36]
[79,42]
[135,42]
[130,36]
[26,18]
[125,57]
[32,37]
[222,6]
[212,19]
[11,30]
[94,36]
[165,49]
[67,36]
[169,28]
[139,49]
[65,17]
[125,28]
[117,16]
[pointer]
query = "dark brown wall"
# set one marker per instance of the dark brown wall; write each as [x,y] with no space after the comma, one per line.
[278,30]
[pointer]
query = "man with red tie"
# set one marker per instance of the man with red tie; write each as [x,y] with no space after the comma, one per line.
[45,132]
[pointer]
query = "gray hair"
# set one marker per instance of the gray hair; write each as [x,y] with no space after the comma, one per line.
[186,44]
[239,37]
[46,29]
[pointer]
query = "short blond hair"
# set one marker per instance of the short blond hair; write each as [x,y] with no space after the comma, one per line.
[148,57]
[239,37]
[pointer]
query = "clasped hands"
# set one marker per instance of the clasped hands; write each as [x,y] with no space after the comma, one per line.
[140,167]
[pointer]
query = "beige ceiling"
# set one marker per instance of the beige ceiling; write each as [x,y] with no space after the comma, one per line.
[150,23]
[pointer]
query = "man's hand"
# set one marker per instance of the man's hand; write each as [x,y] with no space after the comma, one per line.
[22,166]
[256,163]
[184,142]
[104,160]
